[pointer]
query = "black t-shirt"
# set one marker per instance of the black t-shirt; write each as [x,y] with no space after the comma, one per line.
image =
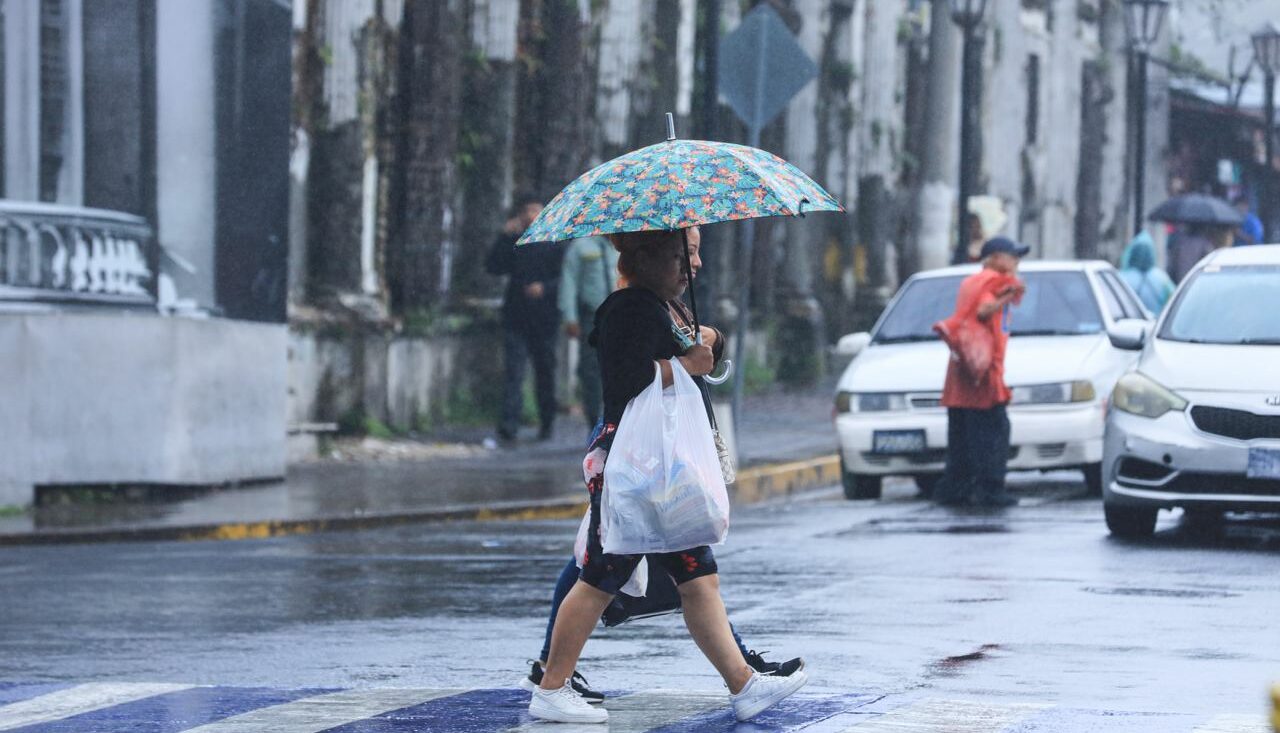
[632,329]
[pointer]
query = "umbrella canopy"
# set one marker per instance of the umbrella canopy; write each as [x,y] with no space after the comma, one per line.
[678,184]
[1195,208]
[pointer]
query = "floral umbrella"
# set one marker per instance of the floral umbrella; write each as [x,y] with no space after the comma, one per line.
[675,185]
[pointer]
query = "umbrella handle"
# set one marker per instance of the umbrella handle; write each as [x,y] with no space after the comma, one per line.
[728,372]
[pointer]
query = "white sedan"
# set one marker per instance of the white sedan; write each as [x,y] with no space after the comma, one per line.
[1196,425]
[1060,366]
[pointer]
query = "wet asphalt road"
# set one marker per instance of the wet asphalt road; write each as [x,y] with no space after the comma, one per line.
[892,597]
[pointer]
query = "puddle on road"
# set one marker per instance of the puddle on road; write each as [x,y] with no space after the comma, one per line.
[1158,592]
[930,525]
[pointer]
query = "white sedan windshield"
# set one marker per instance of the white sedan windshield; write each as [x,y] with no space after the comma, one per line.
[1228,305]
[1056,304]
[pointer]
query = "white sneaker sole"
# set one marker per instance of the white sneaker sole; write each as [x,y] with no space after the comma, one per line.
[794,682]
[527,685]
[542,711]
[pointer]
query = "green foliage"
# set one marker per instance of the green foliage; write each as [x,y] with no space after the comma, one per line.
[9,510]
[877,133]
[840,74]
[463,408]
[428,322]
[529,405]
[356,422]
[758,377]
[1186,64]
[375,428]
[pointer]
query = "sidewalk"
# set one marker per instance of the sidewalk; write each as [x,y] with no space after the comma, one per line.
[786,444]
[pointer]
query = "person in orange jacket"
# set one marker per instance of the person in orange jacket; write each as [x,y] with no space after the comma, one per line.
[974,392]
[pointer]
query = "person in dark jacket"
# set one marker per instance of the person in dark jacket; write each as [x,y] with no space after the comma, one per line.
[530,319]
[635,335]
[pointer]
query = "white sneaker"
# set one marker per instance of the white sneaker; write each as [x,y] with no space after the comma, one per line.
[565,706]
[763,692]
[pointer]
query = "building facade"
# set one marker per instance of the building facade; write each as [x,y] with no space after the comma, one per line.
[143,173]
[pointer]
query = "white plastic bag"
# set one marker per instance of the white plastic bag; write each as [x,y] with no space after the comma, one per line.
[663,490]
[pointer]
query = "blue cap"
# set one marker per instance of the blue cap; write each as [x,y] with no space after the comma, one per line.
[1005,245]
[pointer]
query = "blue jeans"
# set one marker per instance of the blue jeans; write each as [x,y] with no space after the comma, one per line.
[569,576]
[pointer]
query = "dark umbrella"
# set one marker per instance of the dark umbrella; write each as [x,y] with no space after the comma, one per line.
[1196,208]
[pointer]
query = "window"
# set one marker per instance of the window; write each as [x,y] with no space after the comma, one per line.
[1056,304]
[1228,305]
[1112,301]
[53,96]
[1123,296]
[1033,98]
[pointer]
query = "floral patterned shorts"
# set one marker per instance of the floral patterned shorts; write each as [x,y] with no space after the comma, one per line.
[610,572]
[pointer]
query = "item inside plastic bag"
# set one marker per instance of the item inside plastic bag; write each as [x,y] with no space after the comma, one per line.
[663,486]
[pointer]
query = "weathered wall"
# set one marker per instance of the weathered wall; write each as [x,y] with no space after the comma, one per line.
[418,122]
[337,374]
[107,398]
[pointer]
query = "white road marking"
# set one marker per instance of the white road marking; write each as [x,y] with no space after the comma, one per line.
[952,716]
[640,711]
[1236,724]
[78,700]
[314,714]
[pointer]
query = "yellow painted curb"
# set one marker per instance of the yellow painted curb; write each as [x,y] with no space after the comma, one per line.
[754,485]
[763,483]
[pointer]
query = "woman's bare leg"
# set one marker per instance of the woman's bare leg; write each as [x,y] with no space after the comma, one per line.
[708,624]
[578,616]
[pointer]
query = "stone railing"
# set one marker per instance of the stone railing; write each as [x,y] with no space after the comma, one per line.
[51,253]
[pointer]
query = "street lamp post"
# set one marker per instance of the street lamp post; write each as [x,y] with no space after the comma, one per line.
[1266,50]
[968,15]
[1142,21]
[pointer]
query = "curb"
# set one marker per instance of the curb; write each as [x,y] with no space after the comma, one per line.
[754,485]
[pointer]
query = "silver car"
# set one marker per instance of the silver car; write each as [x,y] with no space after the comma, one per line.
[1196,424]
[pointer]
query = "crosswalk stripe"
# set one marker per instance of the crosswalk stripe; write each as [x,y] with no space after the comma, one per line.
[953,716]
[77,700]
[1236,724]
[314,714]
[642,711]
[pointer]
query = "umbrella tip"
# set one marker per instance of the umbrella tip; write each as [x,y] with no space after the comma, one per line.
[671,126]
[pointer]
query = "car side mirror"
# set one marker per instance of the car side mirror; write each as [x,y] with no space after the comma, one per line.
[852,344]
[1130,335]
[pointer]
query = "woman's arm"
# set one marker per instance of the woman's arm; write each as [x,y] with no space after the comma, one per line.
[697,361]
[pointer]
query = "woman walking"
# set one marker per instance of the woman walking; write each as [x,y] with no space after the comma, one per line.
[634,335]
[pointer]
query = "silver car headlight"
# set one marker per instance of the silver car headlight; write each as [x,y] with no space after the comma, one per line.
[1138,394]
[1057,393]
[870,401]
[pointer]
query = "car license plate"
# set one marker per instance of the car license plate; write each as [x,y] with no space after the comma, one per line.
[1263,463]
[897,441]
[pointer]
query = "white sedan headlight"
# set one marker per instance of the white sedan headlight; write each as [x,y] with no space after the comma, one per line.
[870,401]
[1057,393]
[1138,394]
